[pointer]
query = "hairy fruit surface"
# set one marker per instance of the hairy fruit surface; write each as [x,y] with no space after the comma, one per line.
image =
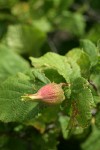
[51,93]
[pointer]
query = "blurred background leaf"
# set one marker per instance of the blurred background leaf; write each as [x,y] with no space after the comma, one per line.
[33,28]
[11,63]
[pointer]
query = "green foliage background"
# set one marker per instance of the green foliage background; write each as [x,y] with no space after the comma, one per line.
[44,41]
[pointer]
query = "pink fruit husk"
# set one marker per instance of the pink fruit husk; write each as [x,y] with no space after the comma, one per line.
[51,93]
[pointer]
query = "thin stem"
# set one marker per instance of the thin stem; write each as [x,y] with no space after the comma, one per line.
[31,97]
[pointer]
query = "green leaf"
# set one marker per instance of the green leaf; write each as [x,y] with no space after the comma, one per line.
[42,24]
[93,141]
[53,75]
[10,63]
[81,58]
[97,117]
[94,32]
[63,5]
[96,68]
[75,70]
[98,46]
[53,60]
[95,78]
[96,99]
[21,11]
[40,76]
[82,102]
[49,113]
[72,22]
[26,39]
[90,49]
[11,106]
[74,54]
[98,120]
[65,67]
[64,121]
